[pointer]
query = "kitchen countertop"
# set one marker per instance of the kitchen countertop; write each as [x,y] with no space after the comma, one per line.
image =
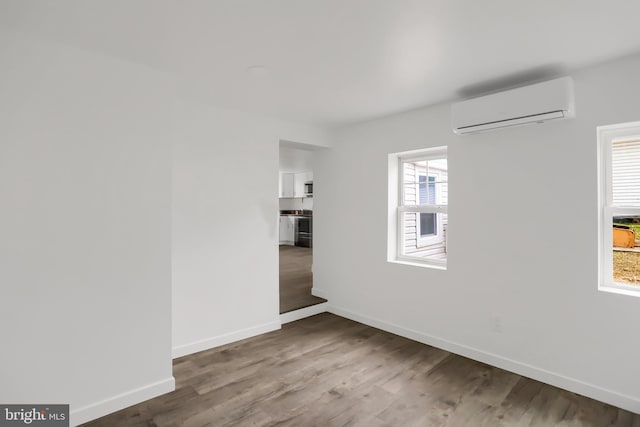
[305,213]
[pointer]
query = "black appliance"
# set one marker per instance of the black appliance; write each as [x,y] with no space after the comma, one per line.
[304,231]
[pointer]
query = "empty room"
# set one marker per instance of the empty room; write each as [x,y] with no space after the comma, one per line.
[319,213]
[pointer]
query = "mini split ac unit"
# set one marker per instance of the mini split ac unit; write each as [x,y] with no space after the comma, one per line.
[536,103]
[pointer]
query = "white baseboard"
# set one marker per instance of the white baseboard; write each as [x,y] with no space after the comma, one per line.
[121,401]
[320,293]
[292,316]
[611,397]
[207,343]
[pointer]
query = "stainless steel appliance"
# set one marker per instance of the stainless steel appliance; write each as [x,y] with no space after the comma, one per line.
[308,189]
[304,231]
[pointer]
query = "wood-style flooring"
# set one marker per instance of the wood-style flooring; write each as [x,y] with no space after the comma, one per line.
[329,371]
[296,279]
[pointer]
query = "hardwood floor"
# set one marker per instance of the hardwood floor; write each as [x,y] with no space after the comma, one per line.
[329,371]
[296,279]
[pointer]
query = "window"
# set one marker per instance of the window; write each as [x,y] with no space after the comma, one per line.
[418,197]
[619,212]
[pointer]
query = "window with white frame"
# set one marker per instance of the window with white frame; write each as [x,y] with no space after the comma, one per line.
[619,213]
[420,215]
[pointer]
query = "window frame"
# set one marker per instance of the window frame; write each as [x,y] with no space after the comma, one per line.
[398,208]
[607,135]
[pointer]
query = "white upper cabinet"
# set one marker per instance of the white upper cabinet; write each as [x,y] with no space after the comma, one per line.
[287,184]
[292,184]
[298,184]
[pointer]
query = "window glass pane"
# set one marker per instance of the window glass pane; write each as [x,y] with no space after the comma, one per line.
[427,189]
[424,182]
[625,172]
[626,249]
[427,224]
[424,235]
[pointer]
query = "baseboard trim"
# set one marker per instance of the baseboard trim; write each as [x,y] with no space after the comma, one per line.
[320,293]
[611,397]
[207,343]
[292,316]
[121,401]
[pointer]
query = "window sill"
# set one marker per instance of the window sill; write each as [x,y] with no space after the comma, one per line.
[633,291]
[418,264]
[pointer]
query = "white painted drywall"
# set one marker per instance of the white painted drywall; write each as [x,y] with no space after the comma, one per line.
[85,258]
[225,224]
[88,148]
[521,286]
[295,159]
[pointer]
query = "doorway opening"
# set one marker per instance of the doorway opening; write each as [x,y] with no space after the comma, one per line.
[296,231]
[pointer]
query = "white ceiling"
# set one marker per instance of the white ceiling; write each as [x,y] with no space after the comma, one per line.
[331,62]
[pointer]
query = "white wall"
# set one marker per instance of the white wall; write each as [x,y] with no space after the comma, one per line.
[295,159]
[522,242]
[225,224]
[88,148]
[84,229]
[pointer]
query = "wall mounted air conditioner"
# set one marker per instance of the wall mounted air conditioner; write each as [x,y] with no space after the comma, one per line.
[536,103]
